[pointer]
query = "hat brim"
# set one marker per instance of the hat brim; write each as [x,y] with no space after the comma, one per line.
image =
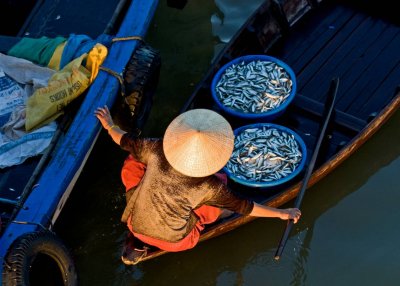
[198,142]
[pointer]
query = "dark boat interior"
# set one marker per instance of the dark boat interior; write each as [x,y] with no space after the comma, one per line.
[358,48]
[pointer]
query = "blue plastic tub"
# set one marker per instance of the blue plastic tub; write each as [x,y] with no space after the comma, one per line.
[260,184]
[266,116]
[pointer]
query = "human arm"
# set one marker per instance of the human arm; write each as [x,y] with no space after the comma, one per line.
[104,116]
[225,198]
[266,211]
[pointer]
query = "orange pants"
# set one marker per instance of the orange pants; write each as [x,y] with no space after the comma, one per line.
[132,172]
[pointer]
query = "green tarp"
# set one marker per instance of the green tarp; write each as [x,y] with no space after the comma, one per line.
[38,51]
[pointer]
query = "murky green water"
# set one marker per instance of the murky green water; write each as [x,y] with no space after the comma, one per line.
[348,234]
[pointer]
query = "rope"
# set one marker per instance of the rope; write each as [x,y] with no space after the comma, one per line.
[116,39]
[118,76]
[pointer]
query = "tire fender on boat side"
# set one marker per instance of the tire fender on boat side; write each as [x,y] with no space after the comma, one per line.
[34,256]
[140,81]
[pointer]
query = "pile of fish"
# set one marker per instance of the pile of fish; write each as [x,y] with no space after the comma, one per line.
[254,87]
[264,154]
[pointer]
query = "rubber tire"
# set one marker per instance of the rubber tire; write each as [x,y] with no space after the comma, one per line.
[140,81]
[24,251]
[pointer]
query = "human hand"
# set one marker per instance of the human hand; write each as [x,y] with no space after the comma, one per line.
[104,116]
[291,213]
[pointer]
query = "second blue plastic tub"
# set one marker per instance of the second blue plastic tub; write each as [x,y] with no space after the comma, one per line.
[265,185]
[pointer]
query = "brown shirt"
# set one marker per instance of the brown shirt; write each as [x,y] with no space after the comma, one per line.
[162,204]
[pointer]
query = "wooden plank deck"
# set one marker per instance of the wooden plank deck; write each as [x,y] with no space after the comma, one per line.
[342,42]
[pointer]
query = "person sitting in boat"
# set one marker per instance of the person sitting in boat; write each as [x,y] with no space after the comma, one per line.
[173,188]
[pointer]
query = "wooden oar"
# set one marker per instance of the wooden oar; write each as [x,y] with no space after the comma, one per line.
[329,104]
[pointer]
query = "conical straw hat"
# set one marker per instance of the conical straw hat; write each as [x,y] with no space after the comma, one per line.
[198,142]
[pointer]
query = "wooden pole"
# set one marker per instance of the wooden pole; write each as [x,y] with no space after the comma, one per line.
[329,105]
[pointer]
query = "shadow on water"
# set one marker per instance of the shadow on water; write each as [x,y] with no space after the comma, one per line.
[90,222]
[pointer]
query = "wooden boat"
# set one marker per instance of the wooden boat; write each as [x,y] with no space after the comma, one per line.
[33,193]
[355,41]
